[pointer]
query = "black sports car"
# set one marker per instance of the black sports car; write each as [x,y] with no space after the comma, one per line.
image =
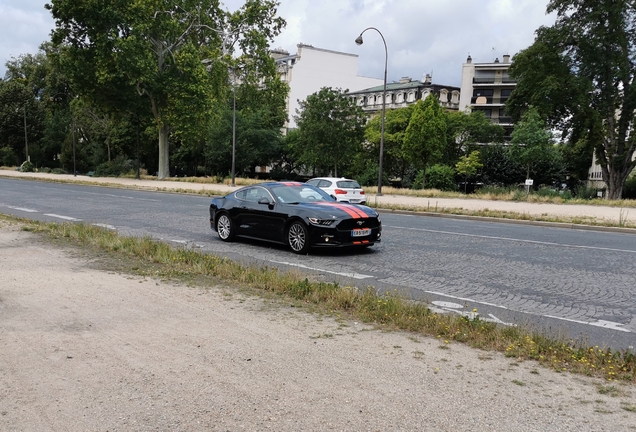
[295,214]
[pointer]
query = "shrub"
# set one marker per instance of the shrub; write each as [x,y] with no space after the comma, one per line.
[629,190]
[7,157]
[114,168]
[583,191]
[27,167]
[44,170]
[440,177]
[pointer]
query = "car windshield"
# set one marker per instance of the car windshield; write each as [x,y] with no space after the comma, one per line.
[299,194]
[348,184]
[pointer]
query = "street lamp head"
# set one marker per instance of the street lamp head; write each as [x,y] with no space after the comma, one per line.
[359,40]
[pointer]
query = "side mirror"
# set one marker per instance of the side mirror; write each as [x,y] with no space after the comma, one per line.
[264,201]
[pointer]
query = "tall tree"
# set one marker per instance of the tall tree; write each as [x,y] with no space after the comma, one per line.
[425,137]
[466,131]
[532,142]
[394,161]
[175,54]
[331,130]
[579,74]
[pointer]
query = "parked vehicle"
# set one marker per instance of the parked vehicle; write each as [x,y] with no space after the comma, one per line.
[342,189]
[298,215]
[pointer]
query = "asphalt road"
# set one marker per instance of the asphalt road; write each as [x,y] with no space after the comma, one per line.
[579,284]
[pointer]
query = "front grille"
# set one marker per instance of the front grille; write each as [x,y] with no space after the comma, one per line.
[349,224]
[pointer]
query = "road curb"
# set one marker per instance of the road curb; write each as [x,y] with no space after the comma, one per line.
[511,221]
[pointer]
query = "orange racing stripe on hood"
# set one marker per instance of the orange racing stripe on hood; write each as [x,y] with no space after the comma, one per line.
[342,207]
[357,210]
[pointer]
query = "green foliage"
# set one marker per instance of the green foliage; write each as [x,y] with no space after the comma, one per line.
[629,190]
[531,141]
[115,168]
[330,131]
[583,191]
[441,177]
[7,157]
[465,131]
[425,136]
[27,167]
[438,176]
[577,74]
[175,56]
[395,162]
[468,165]
[499,167]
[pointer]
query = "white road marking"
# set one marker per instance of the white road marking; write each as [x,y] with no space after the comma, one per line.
[513,239]
[68,218]
[23,209]
[600,323]
[351,275]
[179,241]
[450,305]
[446,307]
[110,227]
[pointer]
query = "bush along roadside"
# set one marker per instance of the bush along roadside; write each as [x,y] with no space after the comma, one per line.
[148,257]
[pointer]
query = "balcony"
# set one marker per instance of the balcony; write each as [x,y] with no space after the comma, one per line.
[488,100]
[487,80]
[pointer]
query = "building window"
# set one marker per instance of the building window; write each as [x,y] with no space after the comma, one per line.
[455,97]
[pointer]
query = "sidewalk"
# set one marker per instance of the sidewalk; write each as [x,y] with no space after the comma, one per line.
[599,213]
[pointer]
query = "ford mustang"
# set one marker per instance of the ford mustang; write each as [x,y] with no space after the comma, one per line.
[298,215]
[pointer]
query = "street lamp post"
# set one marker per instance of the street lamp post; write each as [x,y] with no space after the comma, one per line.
[74,167]
[233,128]
[26,143]
[359,41]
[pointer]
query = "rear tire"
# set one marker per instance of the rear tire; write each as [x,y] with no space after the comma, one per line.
[225,228]
[298,237]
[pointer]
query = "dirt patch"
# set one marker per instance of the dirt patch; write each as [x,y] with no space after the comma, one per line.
[88,350]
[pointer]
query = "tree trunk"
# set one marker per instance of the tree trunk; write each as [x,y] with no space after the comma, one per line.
[614,186]
[164,160]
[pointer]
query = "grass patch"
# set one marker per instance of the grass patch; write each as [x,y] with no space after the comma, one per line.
[148,257]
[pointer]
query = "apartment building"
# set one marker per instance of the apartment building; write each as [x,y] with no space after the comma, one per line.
[310,69]
[406,92]
[486,87]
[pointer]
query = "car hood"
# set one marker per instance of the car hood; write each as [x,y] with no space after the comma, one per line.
[341,210]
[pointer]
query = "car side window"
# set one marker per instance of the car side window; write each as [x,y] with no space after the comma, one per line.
[313,182]
[324,184]
[242,194]
[256,193]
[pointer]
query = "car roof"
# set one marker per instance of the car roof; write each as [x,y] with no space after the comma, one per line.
[331,178]
[280,183]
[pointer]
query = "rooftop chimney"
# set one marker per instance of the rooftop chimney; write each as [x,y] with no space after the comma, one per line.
[506,58]
[427,79]
[497,60]
[405,80]
[469,59]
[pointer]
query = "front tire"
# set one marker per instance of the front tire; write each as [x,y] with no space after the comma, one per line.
[225,228]
[298,237]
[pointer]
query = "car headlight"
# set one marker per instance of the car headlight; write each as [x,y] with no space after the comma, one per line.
[321,222]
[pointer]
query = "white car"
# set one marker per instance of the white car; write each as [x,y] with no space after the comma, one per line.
[342,189]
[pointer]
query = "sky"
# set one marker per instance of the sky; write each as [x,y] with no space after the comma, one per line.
[422,36]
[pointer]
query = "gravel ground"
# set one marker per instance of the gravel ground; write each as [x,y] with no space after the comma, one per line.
[90,350]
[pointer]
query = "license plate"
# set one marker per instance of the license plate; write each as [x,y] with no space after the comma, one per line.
[360,232]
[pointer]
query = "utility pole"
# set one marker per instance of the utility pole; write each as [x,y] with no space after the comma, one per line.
[26,143]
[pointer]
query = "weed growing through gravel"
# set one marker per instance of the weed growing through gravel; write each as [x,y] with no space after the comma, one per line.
[391,311]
